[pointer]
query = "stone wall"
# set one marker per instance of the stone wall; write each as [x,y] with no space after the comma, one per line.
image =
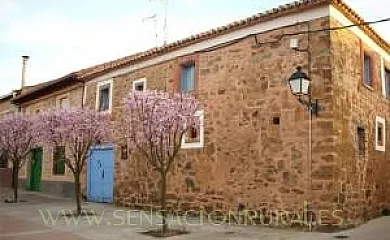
[6,107]
[49,180]
[247,159]
[361,183]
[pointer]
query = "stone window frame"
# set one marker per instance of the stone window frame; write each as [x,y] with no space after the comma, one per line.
[187,60]
[380,121]
[99,86]
[61,97]
[34,108]
[200,143]
[138,81]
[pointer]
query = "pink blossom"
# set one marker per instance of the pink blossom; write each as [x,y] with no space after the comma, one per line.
[156,121]
[78,130]
[17,136]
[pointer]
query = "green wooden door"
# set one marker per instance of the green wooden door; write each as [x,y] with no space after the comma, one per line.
[36,169]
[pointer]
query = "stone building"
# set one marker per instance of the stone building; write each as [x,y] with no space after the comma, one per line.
[253,149]
[46,171]
[6,107]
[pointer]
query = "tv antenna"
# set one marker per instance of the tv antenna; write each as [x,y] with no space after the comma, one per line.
[154,19]
[165,28]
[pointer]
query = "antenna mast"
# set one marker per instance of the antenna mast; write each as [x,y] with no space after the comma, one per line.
[166,2]
[154,19]
[165,30]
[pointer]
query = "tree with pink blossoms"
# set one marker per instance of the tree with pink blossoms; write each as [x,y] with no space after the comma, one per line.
[17,138]
[155,124]
[78,130]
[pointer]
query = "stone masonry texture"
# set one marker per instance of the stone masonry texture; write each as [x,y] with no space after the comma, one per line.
[361,184]
[248,159]
[57,184]
[256,154]
[6,107]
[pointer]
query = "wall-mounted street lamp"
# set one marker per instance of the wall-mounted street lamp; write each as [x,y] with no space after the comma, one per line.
[300,84]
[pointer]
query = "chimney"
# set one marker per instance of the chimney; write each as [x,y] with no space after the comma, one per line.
[24,69]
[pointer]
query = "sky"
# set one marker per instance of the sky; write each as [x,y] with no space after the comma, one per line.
[65,36]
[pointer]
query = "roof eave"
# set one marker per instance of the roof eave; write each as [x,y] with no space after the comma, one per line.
[57,85]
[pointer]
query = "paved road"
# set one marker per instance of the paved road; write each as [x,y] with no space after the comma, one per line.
[31,221]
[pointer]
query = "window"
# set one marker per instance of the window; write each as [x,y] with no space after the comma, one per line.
[276,120]
[194,137]
[3,160]
[139,85]
[367,68]
[104,100]
[387,82]
[380,134]
[187,81]
[59,161]
[64,103]
[104,96]
[361,135]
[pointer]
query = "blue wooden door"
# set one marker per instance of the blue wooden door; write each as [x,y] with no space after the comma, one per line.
[101,174]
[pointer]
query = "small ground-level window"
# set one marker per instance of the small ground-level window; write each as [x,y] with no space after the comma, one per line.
[380,134]
[194,137]
[361,140]
[59,161]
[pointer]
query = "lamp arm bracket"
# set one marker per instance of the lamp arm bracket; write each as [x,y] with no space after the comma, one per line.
[301,50]
[313,107]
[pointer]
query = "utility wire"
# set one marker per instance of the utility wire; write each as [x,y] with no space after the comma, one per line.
[291,34]
[324,30]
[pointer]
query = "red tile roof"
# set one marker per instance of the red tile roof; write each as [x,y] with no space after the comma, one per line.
[297,6]
[38,90]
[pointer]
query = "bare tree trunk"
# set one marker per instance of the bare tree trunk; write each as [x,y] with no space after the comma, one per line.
[163,202]
[78,193]
[15,182]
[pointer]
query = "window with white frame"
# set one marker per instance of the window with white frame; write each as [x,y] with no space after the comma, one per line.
[194,137]
[139,85]
[104,96]
[380,134]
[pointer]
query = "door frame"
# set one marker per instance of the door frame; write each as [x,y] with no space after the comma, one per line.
[101,147]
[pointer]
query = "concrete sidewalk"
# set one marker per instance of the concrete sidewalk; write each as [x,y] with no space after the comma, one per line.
[27,221]
[12,228]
